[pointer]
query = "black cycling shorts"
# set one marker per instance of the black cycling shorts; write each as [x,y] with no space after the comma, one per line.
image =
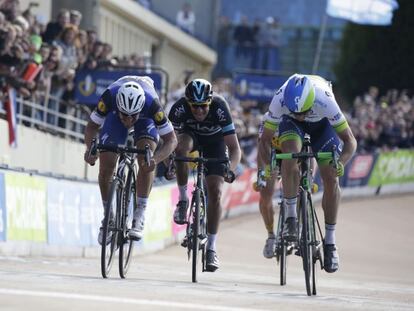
[212,147]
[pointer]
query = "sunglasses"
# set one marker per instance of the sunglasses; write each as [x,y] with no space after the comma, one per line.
[133,116]
[300,114]
[198,106]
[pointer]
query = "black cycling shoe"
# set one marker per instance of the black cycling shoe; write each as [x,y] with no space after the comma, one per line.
[212,262]
[330,258]
[180,213]
[290,232]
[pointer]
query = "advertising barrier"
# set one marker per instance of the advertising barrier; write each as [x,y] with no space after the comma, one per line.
[26,207]
[74,212]
[91,84]
[67,213]
[2,209]
[393,167]
[251,86]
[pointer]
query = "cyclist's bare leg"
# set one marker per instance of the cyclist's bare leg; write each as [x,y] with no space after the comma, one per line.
[266,205]
[144,179]
[214,192]
[185,145]
[290,169]
[107,164]
[331,193]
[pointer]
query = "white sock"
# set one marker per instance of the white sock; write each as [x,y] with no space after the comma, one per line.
[141,206]
[330,233]
[291,207]
[211,241]
[183,193]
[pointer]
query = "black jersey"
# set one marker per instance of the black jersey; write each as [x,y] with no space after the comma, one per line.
[218,120]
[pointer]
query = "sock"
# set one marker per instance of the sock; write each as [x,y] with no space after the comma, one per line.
[330,233]
[269,229]
[211,241]
[141,206]
[291,207]
[183,193]
[271,235]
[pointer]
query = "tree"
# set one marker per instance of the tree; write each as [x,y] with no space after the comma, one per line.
[378,55]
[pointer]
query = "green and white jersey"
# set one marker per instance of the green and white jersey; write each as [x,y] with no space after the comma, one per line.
[325,106]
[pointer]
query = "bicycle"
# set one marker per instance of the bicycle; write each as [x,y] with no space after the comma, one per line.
[282,247]
[196,230]
[310,240]
[118,212]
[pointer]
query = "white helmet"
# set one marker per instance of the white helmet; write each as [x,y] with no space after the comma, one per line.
[130,98]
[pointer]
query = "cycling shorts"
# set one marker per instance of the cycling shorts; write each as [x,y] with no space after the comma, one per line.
[213,147]
[322,134]
[115,133]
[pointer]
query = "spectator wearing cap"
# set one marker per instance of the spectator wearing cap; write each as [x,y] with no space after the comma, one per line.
[53,29]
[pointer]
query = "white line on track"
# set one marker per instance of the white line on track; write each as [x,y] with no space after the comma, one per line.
[158,303]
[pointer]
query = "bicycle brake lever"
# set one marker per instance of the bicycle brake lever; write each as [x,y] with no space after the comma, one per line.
[93,150]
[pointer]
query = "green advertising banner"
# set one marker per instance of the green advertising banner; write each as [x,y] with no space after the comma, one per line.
[393,168]
[158,216]
[26,207]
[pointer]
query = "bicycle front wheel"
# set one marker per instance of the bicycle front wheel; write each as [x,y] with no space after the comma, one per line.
[129,201]
[282,248]
[109,227]
[306,248]
[195,230]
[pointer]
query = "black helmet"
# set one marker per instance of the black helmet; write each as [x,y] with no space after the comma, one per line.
[198,91]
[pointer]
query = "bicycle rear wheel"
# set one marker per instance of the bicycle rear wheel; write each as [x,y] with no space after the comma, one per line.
[195,241]
[109,227]
[306,247]
[129,201]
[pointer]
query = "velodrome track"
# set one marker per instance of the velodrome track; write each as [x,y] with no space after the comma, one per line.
[376,242]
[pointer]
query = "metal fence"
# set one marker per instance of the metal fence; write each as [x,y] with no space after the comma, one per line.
[52,115]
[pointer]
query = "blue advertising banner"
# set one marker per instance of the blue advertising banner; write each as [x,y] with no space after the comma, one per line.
[3,220]
[359,169]
[91,213]
[249,86]
[91,84]
[74,213]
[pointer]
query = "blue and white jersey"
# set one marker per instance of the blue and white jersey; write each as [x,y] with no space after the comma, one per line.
[152,108]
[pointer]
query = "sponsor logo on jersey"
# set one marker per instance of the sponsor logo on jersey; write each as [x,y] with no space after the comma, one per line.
[336,117]
[179,111]
[328,94]
[221,115]
[101,106]
[159,116]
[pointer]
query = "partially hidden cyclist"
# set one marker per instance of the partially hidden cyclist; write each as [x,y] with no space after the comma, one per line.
[202,119]
[267,190]
[130,102]
[306,104]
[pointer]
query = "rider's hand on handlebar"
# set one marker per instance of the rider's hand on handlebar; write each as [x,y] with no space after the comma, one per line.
[89,157]
[147,167]
[339,167]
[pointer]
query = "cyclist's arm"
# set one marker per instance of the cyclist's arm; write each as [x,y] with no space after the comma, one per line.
[91,131]
[265,142]
[168,146]
[350,145]
[232,144]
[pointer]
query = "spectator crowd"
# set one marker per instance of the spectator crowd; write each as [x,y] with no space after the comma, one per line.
[44,58]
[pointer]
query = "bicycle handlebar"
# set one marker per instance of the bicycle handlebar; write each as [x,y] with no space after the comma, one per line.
[120,149]
[200,160]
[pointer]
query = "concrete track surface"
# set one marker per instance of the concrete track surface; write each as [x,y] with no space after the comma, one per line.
[376,244]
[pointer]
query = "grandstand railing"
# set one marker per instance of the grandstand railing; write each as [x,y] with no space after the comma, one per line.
[52,115]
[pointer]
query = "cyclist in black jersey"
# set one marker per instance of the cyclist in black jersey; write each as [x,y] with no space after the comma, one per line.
[202,119]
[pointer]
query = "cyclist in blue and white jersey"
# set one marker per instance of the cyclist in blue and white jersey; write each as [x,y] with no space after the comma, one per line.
[306,104]
[202,118]
[130,102]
